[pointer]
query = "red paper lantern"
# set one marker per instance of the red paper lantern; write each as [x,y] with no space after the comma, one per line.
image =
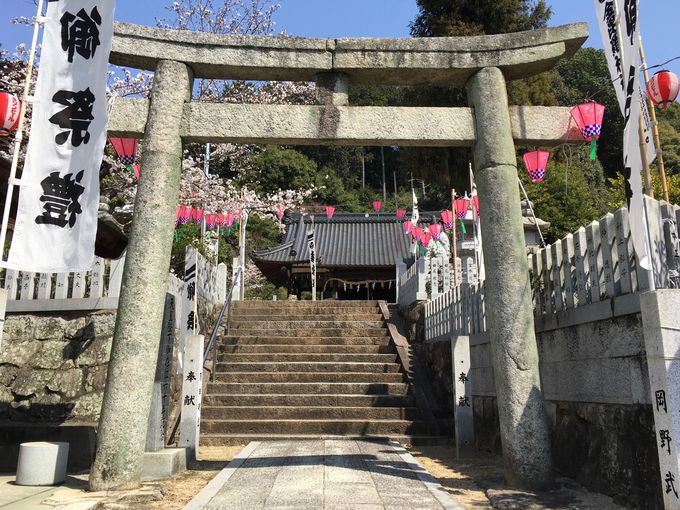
[178,214]
[185,214]
[229,220]
[408,227]
[197,215]
[662,88]
[210,221]
[536,163]
[417,233]
[126,148]
[377,206]
[447,218]
[401,214]
[221,220]
[330,210]
[462,205]
[10,111]
[588,118]
[435,231]
[425,239]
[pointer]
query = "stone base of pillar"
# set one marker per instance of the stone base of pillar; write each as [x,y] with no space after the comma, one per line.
[163,463]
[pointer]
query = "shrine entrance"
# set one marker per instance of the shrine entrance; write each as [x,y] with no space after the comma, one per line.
[481,65]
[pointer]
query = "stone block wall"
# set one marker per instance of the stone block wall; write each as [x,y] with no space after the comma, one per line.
[595,381]
[53,367]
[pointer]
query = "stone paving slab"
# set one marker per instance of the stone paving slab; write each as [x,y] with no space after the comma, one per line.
[324,474]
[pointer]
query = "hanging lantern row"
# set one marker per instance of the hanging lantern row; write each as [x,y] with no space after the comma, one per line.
[186,215]
[10,111]
[662,88]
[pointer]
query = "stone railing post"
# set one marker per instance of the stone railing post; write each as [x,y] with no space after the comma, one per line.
[401,269]
[235,264]
[221,282]
[421,295]
[523,423]
[129,385]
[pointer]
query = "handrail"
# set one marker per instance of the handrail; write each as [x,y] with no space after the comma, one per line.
[213,336]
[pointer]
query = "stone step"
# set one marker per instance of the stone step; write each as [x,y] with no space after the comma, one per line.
[306,357]
[375,427]
[317,316]
[308,377]
[288,366]
[301,365]
[304,304]
[309,413]
[309,400]
[313,388]
[244,439]
[317,332]
[295,349]
[381,339]
[303,324]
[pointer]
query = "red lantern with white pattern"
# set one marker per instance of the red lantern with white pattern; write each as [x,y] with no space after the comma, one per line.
[588,118]
[10,111]
[536,163]
[663,88]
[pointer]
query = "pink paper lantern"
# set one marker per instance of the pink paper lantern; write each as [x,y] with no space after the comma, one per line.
[425,239]
[417,233]
[229,220]
[330,210]
[197,215]
[536,163]
[185,214]
[126,148]
[401,214]
[447,218]
[377,206]
[462,205]
[408,227]
[178,214]
[435,231]
[279,212]
[588,118]
[210,221]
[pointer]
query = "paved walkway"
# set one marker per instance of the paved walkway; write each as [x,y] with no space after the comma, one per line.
[323,474]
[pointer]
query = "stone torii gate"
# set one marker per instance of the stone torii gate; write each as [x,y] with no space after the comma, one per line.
[168,119]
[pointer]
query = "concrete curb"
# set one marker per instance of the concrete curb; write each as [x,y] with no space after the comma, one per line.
[209,491]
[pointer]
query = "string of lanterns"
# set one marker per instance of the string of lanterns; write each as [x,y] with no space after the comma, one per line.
[186,215]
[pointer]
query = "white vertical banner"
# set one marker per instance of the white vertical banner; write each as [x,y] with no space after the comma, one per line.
[618,21]
[59,186]
[479,254]
[646,123]
[312,258]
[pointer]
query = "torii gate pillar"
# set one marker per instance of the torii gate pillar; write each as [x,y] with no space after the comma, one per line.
[523,424]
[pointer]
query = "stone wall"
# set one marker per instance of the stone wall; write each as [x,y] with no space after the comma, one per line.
[595,381]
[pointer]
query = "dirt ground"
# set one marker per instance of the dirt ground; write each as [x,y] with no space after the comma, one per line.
[478,483]
[179,490]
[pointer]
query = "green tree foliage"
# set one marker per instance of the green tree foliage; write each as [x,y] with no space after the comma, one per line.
[279,168]
[475,17]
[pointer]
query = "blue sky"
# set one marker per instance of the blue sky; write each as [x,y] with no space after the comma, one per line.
[660,20]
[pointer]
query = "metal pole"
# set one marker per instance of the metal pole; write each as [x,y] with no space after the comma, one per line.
[454,242]
[531,210]
[655,129]
[20,131]
[382,157]
[363,169]
[396,196]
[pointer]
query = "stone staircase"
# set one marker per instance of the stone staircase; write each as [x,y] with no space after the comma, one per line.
[303,369]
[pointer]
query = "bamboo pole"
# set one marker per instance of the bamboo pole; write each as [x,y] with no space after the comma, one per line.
[655,129]
[643,155]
